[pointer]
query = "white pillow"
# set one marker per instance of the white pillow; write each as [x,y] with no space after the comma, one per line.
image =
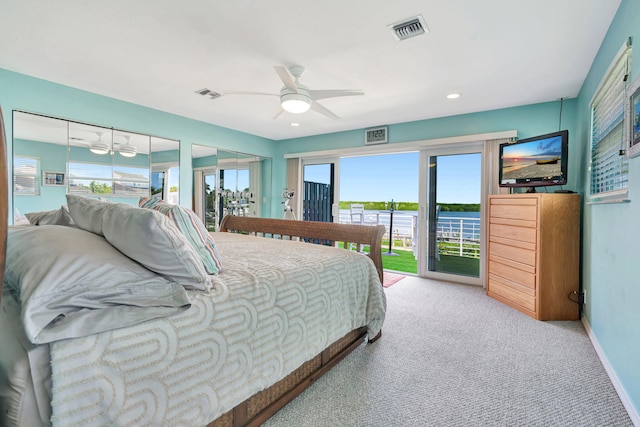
[55,217]
[144,235]
[18,218]
[72,283]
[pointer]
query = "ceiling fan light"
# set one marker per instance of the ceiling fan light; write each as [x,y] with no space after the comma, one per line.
[127,149]
[295,103]
[99,148]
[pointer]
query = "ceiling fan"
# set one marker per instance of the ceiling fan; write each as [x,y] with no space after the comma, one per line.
[297,98]
[100,147]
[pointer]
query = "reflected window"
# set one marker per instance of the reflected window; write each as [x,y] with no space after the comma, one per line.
[210,201]
[130,181]
[26,171]
[90,178]
[235,194]
[103,179]
[165,183]
[157,184]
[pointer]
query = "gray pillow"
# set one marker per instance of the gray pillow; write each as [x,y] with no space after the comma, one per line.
[144,235]
[87,213]
[72,283]
[55,217]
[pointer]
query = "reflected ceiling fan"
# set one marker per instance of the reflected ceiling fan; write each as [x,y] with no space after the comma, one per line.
[297,98]
[100,147]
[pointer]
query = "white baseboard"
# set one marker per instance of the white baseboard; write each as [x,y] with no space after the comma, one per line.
[624,397]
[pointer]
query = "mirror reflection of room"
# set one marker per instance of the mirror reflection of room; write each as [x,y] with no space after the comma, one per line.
[228,183]
[54,157]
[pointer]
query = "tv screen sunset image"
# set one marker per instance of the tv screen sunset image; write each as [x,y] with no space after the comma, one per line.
[535,159]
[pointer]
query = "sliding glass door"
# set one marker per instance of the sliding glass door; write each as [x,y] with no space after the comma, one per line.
[451,218]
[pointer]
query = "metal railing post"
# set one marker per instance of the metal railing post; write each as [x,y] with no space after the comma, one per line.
[460,236]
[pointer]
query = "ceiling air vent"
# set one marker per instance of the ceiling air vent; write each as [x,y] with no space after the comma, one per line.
[210,93]
[408,28]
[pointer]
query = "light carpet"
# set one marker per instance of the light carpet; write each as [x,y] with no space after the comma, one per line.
[451,356]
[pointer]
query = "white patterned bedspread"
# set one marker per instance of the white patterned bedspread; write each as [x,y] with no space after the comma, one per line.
[276,304]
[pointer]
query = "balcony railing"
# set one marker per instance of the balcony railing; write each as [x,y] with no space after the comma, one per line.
[459,236]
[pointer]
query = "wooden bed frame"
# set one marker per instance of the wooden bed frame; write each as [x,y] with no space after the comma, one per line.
[312,231]
[259,407]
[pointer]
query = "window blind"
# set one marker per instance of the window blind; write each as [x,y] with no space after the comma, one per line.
[26,172]
[609,167]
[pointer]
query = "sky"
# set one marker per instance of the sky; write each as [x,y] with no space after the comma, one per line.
[545,147]
[395,176]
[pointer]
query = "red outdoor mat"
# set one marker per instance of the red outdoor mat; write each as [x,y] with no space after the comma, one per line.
[391,278]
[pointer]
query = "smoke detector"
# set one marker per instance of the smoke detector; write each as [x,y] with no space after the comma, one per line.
[408,28]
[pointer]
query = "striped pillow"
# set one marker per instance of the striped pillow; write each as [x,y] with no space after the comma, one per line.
[191,228]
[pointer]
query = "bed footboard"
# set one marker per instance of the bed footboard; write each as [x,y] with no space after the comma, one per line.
[261,406]
[312,230]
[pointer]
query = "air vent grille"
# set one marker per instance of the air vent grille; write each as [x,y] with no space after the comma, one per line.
[207,92]
[409,28]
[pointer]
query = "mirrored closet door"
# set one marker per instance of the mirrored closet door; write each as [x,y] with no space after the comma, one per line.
[53,157]
[229,183]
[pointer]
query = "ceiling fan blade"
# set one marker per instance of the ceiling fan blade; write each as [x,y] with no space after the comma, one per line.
[280,111]
[322,94]
[324,111]
[242,92]
[286,78]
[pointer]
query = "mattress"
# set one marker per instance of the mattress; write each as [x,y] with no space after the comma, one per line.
[25,374]
[275,305]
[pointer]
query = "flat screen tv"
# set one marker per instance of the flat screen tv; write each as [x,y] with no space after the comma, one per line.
[535,162]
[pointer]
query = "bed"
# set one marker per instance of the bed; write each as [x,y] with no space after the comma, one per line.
[223,348]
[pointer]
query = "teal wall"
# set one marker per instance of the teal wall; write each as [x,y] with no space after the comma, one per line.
[611,232]
[21,92]
[203,162]
[529,120]
[167,156]
[52,158]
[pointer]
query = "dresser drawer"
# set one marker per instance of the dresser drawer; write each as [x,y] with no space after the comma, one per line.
[521,277]
[523,234]
[524,256]
[521,299]
[522,212]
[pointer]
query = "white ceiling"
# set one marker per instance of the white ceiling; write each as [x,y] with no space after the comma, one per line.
[157,53]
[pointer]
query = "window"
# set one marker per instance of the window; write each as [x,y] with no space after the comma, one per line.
[609,168]
[26,173]
[108,180]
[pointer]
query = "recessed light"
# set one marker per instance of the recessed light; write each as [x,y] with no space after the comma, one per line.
[294,124]
[453,95]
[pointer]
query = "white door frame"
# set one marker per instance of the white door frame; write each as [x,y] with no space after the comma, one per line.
[423,186]
[335,206]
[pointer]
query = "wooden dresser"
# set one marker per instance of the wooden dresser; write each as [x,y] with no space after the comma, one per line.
[534,253]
